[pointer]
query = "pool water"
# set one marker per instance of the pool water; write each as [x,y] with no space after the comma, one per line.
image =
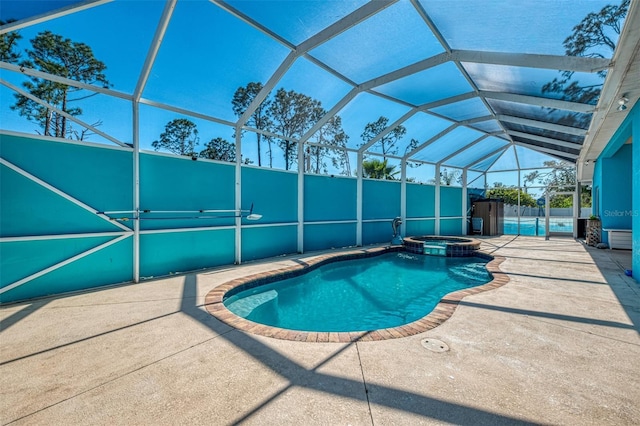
[536,226]
[385,291]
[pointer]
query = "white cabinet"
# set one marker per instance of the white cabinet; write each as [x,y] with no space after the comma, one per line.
[619,238]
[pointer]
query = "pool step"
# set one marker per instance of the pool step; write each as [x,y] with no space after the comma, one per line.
[434,250]
[243,307]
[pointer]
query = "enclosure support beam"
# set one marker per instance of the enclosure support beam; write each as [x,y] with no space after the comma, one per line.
[576,131]
[137,94]
[450,156]
[538,101]
[238,197]
[519,190]
[528,60]
[465,214]
[136,191]
[301,166]
[430,141]
[515,153]
[552,141]
[66,81]
[489,155]
[349,21]
[403,196]
[547,212]
[549,151]
[359,200]
[388,129]
[333,111]
[161,29]
[576,209]
[436,230]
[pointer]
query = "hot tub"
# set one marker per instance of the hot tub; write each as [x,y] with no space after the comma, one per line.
[437,245]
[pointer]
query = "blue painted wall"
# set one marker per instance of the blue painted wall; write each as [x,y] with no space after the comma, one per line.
[274,194]
[173,252]
[173,183]
[30,210]
[615,190]
[320,237]
[421,200]
[261,242]
[100,176]
[110,265]
[616,183]
[450,226]
[635,191]
[450,202]
[380,199]
[421,227]
[376,232]
[329,198]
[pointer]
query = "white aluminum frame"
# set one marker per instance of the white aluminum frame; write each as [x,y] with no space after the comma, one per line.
[582,64]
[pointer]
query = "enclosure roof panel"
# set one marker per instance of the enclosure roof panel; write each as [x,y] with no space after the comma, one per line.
[296,21]
[393,38]
[21,9]
[528,26]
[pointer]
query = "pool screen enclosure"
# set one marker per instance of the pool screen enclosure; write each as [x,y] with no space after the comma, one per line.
[206,133]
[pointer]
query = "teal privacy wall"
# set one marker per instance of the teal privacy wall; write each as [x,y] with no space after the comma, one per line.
[615,190]
[53,241]
[327,199]
[635,192]
[172,242]
[421,210]
[380,205]
[274,194]
[451,214]
[616,183]
[94,177]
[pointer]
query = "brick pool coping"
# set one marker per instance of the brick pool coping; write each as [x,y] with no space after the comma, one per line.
[443,310]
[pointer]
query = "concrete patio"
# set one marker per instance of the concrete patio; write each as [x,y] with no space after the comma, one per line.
[558,344]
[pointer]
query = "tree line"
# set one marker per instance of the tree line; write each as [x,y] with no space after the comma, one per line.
[290,115]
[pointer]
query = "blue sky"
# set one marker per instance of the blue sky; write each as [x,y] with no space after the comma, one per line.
[207,54]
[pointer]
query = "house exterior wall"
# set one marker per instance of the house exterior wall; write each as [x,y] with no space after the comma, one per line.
[616,183]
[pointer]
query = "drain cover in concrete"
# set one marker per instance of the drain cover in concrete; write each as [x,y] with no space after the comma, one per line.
[435,345]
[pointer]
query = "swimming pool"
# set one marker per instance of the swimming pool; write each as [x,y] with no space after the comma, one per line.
[444,306]
[536,226]
[365,294]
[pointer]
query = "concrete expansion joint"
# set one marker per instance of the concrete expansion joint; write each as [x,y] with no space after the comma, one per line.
[364,382]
